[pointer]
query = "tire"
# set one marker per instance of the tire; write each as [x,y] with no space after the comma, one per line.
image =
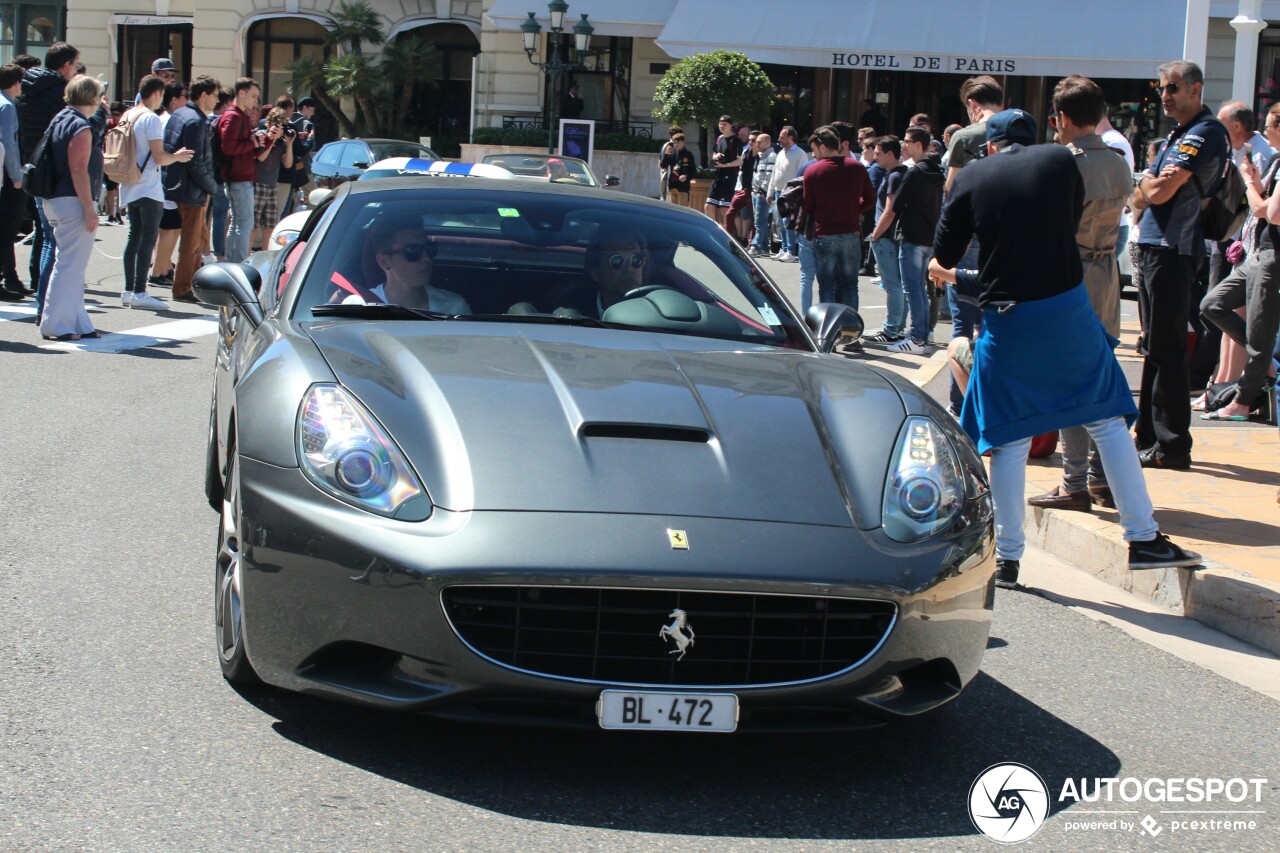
[228,609]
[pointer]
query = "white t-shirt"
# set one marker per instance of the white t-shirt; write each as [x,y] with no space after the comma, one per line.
[443,301]
[1113,138]
[146,127]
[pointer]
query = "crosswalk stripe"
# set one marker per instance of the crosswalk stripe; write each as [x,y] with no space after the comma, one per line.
[174,331]
[17,312]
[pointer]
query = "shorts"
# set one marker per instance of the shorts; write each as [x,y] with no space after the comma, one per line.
[964,354]
[171,220]
[265,214]
[110,184]
[721,192]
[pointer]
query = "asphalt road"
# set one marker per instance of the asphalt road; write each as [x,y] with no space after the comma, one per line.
[118,732]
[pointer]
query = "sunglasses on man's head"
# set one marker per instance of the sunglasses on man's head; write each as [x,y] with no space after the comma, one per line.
[616,261]
[414,252]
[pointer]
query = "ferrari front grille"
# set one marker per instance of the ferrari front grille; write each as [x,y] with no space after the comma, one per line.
[667,638]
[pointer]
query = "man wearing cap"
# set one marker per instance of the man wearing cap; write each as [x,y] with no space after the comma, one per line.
[165,70]
[1043,361]
[302,123]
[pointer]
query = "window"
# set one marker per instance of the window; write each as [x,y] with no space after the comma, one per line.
[274,44]
[353,153]
[142,45]
[30,28]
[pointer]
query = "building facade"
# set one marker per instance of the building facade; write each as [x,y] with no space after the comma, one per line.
[904,56]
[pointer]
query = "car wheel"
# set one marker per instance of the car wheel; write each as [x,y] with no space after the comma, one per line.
[229,604]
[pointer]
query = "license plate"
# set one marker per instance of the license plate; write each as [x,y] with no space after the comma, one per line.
[677,712]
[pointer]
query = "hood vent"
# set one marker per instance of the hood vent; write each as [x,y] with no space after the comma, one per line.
[652,432]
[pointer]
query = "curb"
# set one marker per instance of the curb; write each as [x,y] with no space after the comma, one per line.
[1233,602]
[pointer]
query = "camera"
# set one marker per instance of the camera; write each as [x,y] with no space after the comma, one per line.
[289,131]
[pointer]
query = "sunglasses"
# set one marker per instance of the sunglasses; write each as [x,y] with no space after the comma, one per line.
[1167,88]
[415,252]
[616,261]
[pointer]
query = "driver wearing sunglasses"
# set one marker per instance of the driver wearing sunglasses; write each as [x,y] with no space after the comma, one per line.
[403,252]
[618,262]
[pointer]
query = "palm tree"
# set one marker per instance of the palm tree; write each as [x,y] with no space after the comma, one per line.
[412,62]
[354,76]
[355,23]
[308,76]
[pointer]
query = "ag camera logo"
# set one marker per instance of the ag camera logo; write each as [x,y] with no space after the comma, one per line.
[1008,802]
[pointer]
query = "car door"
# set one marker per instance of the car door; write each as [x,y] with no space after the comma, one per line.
[324,167]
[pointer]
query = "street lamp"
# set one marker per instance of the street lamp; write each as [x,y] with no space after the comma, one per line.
[581,40]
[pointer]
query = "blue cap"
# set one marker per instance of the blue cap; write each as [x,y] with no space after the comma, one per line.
[1013,126]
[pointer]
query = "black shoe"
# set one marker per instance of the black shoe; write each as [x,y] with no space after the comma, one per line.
[883,337]
[161,280]
[1007,573]
[1160,553]
[1153,458]
[7,295]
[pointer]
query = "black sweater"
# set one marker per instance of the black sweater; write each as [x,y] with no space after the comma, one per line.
[1023,205]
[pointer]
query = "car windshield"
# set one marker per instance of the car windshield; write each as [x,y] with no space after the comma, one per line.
[387,150]
[543,166]
[537,257]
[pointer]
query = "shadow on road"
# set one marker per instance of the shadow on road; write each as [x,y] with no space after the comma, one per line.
[910,780]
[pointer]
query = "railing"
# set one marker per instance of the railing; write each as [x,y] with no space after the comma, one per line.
[642,129]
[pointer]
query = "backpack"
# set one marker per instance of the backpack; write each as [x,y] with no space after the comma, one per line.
[39,177]
[1223,211]
[120,151]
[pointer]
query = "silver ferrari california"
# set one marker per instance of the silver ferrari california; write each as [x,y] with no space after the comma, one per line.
[543,454]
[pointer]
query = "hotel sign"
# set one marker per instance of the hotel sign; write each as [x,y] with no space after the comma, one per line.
[149,20]
[938,62]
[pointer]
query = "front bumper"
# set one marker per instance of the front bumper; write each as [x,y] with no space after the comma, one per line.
[347,605]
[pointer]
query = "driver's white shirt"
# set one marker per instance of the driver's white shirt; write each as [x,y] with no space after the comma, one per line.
[443,301]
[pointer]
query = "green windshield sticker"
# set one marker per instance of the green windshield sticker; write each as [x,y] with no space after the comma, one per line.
[508,212]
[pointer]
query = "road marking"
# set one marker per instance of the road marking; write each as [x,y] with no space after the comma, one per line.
[17,312]
[175,331]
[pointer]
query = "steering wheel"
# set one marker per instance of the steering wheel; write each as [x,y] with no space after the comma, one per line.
[643,291]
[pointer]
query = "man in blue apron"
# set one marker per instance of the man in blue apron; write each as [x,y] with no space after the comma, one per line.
[1044,361]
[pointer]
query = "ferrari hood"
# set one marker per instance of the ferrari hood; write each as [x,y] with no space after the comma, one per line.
[572,419]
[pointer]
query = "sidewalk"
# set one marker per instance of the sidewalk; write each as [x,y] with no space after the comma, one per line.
[1225,507]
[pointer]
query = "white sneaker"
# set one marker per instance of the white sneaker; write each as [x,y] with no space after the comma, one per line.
[788,258]
[878,282]
[146,300]
[208,259]
[126,298]
[908,346]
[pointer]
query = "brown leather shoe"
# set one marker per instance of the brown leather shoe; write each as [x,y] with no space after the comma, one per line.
[1059,499]
[1101,495]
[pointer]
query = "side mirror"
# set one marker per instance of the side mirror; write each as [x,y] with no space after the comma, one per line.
[833,324]
[612,181]
[233,286]
[318,195]
[360,164]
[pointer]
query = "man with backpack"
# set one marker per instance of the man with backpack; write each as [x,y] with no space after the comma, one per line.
[191,184]
[239,164]
[1171,243]
[134,154]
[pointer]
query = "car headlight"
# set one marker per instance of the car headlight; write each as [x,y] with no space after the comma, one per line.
[925,489]
[346,453]
[284,238]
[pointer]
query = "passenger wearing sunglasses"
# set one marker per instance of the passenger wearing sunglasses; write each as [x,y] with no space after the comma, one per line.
[403,252]
[1171,242]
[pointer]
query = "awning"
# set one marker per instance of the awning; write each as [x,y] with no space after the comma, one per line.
[1097,38]
[635,18]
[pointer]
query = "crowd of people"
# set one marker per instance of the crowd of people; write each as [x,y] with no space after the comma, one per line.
[197,171]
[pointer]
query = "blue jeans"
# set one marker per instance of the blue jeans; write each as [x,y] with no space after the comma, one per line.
[886,251]
[838,257]
[219,211]
[964,317]
[1124,473]
[789,243]
[240,194]
[48,248]
[808,267]
[913,264]
[760,206]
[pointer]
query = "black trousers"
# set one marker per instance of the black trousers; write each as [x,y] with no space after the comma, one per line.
[1164,401]
[13,202]
[37,245]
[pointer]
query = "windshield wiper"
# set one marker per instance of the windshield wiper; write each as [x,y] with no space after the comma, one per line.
[563,319]
[380,310]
